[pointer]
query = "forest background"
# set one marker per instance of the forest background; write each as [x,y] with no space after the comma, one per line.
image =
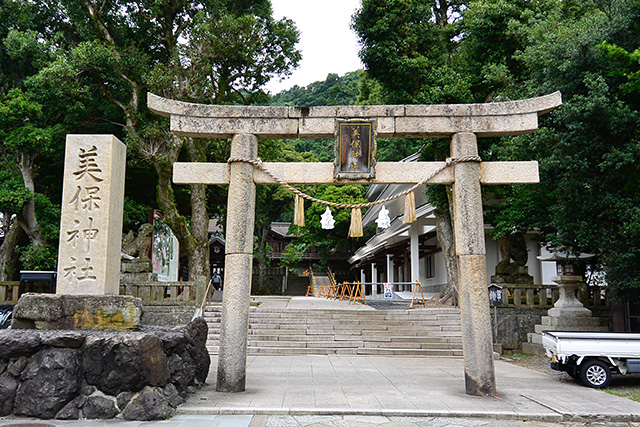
[85,66]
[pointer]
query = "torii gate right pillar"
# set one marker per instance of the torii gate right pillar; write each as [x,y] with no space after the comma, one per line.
[472,269]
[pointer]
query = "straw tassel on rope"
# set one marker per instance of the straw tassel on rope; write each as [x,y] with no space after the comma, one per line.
[409,208]
[355,230]
[298,211]
[356,215]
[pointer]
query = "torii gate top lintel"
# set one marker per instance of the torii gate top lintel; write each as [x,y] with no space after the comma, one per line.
[400,121]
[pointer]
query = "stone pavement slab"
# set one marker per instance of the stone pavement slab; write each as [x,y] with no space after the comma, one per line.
[305,421]
[340,391]
[306,303]
[404,386]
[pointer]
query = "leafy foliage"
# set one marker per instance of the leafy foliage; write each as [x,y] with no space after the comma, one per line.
[334,90]
[494,50]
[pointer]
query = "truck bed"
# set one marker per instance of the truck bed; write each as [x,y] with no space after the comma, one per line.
[607,344]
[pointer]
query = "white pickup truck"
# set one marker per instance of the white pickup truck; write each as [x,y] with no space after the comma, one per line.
[593,356]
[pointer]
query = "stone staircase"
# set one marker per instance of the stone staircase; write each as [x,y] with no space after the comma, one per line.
[418,332]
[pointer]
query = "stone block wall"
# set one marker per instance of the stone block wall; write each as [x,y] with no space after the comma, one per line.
[168,314]
[71,374]
[514,323]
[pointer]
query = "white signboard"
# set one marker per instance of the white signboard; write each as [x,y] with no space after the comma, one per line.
[388,290]
[165,253]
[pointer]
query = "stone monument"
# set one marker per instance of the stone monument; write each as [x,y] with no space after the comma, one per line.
[461,123]
[90,242]
[91,222]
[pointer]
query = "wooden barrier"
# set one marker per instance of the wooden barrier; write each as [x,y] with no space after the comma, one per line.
[9,292]
[358,294]
[160,292]
[417,286]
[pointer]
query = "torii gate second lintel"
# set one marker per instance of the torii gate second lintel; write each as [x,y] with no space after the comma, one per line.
[462,123]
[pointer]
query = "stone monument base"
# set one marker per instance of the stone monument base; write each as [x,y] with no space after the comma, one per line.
[510,272]
[560,323]
[92,312]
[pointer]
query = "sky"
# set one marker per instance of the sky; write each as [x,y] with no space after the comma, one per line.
[327,42]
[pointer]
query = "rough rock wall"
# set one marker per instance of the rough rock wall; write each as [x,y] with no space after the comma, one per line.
[142,375]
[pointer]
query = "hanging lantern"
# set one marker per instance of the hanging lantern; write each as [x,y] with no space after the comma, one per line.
[383,220]
[326,220]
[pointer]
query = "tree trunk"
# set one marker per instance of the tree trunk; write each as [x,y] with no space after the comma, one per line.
[8,255]
[199,269]
[446,238]
[25,164]
[262,255]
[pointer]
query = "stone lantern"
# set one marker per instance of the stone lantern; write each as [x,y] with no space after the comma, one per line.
[567,280]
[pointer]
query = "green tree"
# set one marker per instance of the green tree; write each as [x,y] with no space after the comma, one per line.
[273,202]
[207,51]
[501,50]
[334,90]
[408,49]
[335,241]
[23,138]
[588,196]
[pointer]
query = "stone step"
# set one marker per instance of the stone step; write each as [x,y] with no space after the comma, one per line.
[534,338]
[352,343]
[570,321]
[213,350]
[534,349]
[317,328]
[404,332]
[305,344]
[350,315]
[350,323]
[408,352]
[574,328]
[416,345]
[371,335]
[355,313]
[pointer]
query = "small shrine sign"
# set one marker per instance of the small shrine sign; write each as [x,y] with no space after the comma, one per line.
[355,149]
[495,295]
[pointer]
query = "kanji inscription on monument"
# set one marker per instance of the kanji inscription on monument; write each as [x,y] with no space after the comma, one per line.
[355,149]
[91,221]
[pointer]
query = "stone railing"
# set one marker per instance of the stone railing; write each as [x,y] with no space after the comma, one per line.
[161,293]
[149,292]
[9,292]
[544,296]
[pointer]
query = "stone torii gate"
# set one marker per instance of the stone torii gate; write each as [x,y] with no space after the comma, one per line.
[463,123]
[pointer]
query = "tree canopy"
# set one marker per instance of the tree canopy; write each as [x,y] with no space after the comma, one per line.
[87,66]
[83,66]
[494,50]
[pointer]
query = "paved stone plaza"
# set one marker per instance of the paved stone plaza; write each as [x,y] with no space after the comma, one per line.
[357,391]
[312,421]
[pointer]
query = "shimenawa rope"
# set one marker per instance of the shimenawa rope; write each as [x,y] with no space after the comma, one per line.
[449,162]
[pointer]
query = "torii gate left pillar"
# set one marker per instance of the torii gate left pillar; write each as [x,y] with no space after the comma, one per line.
[462,123]
[238,262]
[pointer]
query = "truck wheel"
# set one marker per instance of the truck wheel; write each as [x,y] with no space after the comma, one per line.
[595,373]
